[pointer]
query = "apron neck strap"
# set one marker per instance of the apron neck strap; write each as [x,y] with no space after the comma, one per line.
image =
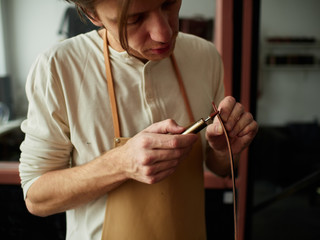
[182,88]
[112,96]
[111,91]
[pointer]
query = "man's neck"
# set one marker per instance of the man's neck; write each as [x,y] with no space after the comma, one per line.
[111,41]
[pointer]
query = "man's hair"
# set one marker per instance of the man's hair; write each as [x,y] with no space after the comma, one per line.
[84,7]
[87,8]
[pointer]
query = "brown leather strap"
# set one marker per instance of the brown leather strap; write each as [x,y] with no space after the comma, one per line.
[112,96]
[235,217]
[182,88]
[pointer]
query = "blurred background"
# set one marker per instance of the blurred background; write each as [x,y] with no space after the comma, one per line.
[283,196]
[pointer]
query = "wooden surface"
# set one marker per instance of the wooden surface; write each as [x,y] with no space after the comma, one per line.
[9,173]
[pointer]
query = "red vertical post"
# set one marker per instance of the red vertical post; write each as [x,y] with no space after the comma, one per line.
[245,100]
[224,39]
[224,43]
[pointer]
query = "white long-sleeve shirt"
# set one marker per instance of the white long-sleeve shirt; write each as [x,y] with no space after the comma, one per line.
[69,120]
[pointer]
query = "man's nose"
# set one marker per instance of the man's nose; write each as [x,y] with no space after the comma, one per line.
[159,27]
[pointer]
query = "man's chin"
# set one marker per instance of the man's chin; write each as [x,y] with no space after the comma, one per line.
[151,56]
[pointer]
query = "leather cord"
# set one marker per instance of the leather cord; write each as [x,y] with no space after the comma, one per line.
[235,217]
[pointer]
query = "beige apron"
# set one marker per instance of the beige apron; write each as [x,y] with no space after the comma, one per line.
[170,209]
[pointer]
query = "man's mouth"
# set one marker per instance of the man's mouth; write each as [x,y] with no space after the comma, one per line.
[161,50]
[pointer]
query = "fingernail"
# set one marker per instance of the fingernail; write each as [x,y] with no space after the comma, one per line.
[218,129]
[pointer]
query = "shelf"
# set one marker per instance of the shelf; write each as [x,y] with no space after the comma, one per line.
[292,68]
[314,45]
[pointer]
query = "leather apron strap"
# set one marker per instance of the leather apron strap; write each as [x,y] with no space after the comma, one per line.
[111,91]
[172,209]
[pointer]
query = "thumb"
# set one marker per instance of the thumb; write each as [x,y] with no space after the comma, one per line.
[216,127]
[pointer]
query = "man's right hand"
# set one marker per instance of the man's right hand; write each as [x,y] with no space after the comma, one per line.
[154,153]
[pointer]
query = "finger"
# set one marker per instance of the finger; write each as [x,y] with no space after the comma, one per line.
[214,129]
[166,141]
[250,129]
[158,177]
[247,135]
[225,107]
[160,167]
[156,156]
[234,117]
[244,120]
[143,170]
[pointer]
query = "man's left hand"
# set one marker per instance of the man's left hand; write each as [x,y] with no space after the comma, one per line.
[240,125]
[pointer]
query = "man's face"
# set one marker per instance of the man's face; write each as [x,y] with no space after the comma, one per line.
[152,26]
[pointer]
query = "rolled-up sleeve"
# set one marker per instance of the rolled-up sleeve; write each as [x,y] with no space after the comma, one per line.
[47,144]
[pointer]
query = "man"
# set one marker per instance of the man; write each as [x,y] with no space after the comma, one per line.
[68,162]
